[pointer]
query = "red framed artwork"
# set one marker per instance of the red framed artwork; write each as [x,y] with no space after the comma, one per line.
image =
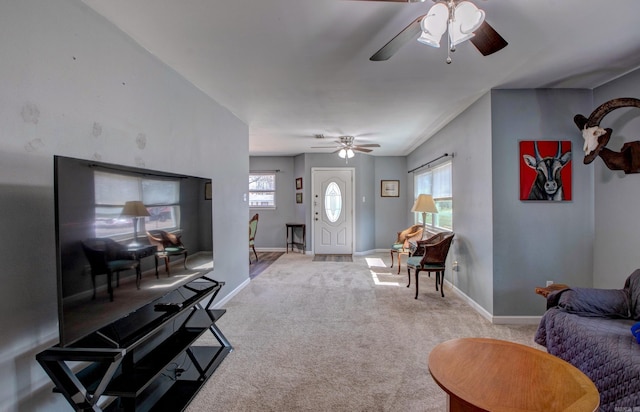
[545,170]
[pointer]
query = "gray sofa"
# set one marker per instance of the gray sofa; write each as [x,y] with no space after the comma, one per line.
[591,329]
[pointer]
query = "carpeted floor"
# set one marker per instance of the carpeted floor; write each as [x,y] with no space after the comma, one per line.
[339,336]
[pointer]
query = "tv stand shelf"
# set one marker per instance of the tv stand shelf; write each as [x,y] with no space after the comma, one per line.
[144,366]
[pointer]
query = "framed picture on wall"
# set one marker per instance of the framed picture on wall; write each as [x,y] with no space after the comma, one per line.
[299,183]
[390,188]
[298,197]
[545,170]
[207,191]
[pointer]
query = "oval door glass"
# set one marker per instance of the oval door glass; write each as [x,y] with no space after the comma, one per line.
[333,202]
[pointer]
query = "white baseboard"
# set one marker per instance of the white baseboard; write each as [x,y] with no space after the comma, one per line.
[271,249]
[496,320]
[231,294]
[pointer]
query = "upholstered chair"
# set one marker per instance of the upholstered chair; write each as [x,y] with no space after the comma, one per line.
[431,256]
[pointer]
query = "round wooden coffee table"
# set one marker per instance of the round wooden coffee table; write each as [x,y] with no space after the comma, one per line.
[493,375]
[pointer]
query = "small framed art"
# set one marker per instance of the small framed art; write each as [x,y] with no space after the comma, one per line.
[298,197]
[299,183]
[390,188]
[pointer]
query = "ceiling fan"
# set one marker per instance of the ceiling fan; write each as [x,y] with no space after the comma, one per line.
[441,18]
[346,147]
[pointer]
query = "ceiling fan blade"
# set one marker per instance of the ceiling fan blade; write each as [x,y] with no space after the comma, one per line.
[396,1]
[359,149]
[409,33]
[368,145]
[323,147]
[487,40]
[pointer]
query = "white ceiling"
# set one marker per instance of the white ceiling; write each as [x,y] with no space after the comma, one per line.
[292,69]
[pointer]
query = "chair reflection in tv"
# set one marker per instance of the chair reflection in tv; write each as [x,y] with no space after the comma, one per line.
[168,245]
[106,257]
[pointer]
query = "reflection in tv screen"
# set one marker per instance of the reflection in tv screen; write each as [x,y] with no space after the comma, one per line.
[104,216]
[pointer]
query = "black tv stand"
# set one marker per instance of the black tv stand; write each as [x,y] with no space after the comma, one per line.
[147,360]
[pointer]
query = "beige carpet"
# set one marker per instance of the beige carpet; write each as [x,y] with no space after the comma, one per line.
[338,337]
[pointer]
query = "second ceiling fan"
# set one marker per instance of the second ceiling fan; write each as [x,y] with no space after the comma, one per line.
[346,147]
[460,20]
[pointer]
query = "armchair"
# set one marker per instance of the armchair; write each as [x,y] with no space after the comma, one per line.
[106,257]
[401,245]
[168,245]
[431,256]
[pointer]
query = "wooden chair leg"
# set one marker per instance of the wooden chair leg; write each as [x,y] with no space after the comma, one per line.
[391,253]
[417,271]
[409,276]
[254,252]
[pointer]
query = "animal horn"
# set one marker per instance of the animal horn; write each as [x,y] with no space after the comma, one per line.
[605,108]
[559,150]
[536,151]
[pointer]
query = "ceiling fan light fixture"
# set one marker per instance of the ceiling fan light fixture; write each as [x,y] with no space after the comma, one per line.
[429,39]
[434,25]
[350,153]
[468,16]
[342,153]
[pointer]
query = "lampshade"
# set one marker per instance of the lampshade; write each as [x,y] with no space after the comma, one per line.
[434,24]
[425,204]
[134,208]
[350,153]
[467,19]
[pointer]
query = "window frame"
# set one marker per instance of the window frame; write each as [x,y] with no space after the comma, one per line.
[273,190]
[127,230]
[432,221]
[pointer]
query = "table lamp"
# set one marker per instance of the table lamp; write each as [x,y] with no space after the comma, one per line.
[424,204]
[134,209]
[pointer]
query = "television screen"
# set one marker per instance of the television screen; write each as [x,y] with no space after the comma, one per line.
[107,217]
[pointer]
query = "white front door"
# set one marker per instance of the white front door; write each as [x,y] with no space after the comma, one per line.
[332,193]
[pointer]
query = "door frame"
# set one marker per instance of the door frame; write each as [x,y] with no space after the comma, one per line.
[352,170]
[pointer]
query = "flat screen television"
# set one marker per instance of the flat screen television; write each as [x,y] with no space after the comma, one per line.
[89,201]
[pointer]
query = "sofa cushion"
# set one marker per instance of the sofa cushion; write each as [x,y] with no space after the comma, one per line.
[609,303]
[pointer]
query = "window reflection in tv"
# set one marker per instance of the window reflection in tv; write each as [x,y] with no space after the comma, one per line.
[89,200]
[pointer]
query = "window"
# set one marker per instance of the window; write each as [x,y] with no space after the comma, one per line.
[333,202]
[161,197]
[437,182]
[262,190]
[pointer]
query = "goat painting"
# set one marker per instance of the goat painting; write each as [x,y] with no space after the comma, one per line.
[543,171]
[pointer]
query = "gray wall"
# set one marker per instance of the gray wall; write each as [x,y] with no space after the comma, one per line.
[72,84]
[377,219]
[538,241]
[391,212]
[617,195]
[468,138]
[364,211]
[271,225]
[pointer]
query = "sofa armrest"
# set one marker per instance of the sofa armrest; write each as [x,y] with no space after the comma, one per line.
[591,302]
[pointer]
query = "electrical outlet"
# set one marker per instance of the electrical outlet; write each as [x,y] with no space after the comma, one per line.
[549,282]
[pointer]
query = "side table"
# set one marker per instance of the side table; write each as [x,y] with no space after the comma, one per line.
[290,229]
[138,252]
